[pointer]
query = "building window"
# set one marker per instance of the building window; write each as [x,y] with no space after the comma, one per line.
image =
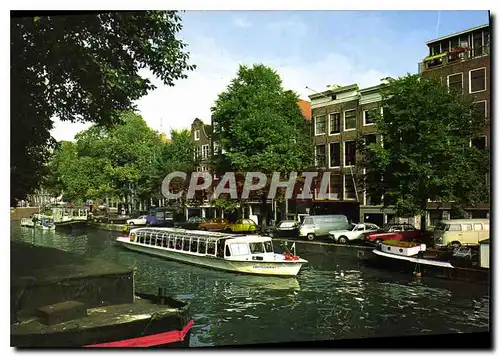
[334,154]
[321,155]
[481,109]
[477,80]
[455,81]
[205,151]
[435,49]
[454,43]
[197,152]
[370,139]
[477,43]
[350,119]
[196,135]
[334,123]
[369,116]
[319,128]
[349,190]
[335,186]
[479,143]
[349,153]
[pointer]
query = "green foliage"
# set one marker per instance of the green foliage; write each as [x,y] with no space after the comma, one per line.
[260,125]
[115,161]
[426,131]
[82,68]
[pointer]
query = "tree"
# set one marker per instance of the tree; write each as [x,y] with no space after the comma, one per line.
[175,155]
[82,68]
[106,162]
[426,130]
[260,126]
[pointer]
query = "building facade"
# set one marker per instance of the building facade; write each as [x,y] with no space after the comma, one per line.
[341,117]
[462,61]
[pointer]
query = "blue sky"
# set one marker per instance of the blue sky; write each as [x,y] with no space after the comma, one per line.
[307,48]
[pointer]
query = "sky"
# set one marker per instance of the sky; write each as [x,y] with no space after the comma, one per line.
[307,48]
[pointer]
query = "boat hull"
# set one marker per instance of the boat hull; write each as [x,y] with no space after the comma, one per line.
[275,268]
[427,267]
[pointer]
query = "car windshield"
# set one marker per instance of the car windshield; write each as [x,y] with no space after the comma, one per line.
[351,227]
[256,248]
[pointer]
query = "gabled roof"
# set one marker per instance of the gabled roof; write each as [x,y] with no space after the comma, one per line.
[305,108]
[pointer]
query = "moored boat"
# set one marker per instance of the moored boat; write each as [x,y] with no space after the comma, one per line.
[251,254]
[414,257]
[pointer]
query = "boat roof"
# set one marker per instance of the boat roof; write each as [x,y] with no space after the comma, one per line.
[235,238]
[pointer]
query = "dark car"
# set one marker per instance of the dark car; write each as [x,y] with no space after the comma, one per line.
[284,229]
[191,223]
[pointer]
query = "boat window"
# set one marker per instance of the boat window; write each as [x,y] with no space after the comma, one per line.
[240,249]
[269,246]
[147,240]
[186,244]
[178,243]
[194,245]
[256,248]
[228,252]
[164,241]
[141,238]
[211,247]
[158,239]
[171,242]
[202,249]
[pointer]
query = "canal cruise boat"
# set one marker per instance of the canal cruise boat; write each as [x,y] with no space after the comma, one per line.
[250,254]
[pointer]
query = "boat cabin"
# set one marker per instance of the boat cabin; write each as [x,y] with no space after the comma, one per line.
[217,245]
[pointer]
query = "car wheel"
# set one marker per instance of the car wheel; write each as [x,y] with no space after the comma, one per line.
[378,241]
[203,228]
[148,224]
[342,240]
[310,236]
[455,244]
[131,223]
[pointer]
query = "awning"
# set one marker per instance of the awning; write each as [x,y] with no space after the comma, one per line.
[430,58]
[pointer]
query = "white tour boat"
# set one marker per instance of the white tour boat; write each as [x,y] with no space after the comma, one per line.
[251,254]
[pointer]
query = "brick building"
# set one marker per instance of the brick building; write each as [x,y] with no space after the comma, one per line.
[341,116]
[463,60]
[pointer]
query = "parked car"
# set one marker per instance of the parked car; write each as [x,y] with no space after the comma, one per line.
[399,231]
[458,232]
[160,216]
[353,232]
[242,226]
[216,224]
[139,221]
[191,223]
[284,229]
[317,226]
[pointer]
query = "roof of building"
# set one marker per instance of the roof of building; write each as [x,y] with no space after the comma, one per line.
[334,90]
[456,34]
[305,108]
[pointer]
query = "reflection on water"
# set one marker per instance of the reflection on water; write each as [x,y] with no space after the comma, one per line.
[331,298]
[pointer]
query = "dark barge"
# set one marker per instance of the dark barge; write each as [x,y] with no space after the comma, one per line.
[60,299]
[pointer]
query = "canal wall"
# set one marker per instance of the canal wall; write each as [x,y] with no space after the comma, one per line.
[114,227]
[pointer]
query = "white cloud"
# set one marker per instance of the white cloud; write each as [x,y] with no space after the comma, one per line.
[193,97]
[241,22]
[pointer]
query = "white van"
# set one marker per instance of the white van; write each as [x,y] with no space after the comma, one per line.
[459,232]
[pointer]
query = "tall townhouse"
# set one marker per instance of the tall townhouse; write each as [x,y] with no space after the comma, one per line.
[341,117]
[462,60]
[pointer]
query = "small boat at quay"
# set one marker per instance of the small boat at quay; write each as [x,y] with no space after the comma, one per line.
[250,254]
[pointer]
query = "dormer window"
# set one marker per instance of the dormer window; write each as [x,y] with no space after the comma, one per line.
[197,135]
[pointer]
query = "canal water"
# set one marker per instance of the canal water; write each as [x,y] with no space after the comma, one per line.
[333,297]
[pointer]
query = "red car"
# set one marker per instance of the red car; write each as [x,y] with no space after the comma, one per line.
[396,231]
